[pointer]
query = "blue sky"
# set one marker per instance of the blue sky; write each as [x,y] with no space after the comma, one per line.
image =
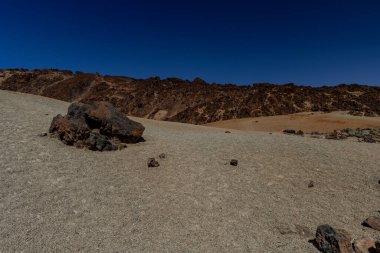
[316,42]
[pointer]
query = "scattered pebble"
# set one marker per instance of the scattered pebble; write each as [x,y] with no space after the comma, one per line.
[227,132]
[311,184]
[42,134]
[162,156]
[152,162]
[234,162]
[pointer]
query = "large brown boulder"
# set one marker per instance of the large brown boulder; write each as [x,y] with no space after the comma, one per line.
[97,126]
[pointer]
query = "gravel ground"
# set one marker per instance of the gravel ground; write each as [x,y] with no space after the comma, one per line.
[56,198]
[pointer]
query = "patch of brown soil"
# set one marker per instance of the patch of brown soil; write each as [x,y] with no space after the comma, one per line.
[307,122]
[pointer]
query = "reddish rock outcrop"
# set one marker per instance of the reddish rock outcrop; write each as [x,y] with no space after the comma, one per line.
[97,126]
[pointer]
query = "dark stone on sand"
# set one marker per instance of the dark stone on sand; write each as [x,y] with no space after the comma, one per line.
[152,162]
[234,162]
[329,240]
[96,126]
[289,131]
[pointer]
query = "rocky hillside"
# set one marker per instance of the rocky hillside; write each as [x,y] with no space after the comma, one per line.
[194,101]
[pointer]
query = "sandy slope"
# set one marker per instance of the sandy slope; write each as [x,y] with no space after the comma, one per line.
[308,122]
[56,198]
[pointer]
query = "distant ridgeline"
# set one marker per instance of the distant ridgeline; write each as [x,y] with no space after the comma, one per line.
[194,101]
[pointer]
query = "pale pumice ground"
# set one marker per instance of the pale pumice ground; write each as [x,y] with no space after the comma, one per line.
[56,198]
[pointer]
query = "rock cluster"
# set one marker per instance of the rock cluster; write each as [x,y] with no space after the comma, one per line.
[370,135]
[330,240]
[96,126]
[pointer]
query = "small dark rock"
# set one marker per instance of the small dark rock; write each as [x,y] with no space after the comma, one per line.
[42,135]
[368,138]
[162,156]
[234,162]
[311,184]
[372,222]
[227,132]
[300,132]
[152,162]
[289,131]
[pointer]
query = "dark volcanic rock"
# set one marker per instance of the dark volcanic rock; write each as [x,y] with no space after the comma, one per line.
[292,131]
[152,162]
[289,131]
[329,240]
[234,162]
[97,126]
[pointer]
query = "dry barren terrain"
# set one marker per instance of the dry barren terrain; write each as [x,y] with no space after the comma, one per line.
[305,121]
[57,198]
[195,102]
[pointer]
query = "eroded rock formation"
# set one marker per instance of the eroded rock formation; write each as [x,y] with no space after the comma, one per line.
[96,126]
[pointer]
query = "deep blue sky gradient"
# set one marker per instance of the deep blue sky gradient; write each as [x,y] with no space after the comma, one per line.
[320,42]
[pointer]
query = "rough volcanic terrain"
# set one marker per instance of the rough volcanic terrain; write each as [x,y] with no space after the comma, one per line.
[196,102]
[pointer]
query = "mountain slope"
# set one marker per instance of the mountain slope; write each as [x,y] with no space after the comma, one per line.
[195,101]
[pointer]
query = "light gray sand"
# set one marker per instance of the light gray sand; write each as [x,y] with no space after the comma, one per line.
[56,198]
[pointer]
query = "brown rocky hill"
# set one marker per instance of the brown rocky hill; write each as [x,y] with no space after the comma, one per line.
[194,101]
